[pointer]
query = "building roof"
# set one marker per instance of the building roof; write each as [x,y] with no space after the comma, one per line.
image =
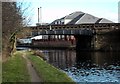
[87,18]
[105,21]
[73,15]
[74,20]
[81,18]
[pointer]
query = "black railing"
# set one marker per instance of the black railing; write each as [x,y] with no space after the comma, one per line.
[76,26]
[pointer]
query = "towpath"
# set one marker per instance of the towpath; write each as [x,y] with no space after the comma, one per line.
[32,72]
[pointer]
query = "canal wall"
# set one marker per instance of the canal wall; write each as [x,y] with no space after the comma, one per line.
[53,43]
[109,41]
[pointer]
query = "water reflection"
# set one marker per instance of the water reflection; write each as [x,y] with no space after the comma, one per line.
[97,59]
[86,66]
[61,58]
[68,58]
[106,58]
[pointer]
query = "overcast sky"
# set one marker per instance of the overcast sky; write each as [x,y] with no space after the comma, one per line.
[54,9]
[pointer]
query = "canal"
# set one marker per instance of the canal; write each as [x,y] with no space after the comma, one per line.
[86,66]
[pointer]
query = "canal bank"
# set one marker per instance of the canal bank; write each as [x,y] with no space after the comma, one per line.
[47,72]
[16,69]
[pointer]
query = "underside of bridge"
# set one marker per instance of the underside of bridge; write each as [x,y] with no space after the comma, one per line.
[83,42]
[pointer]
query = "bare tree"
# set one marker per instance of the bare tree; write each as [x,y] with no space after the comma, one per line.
[13,22]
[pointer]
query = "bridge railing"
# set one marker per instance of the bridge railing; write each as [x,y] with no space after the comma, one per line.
[74,29]
[77,26]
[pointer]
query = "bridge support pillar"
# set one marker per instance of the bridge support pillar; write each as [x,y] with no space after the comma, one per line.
[56,38]
[60,36]
[100,41]
[53,37]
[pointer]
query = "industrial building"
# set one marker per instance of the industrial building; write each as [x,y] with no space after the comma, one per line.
[80,18]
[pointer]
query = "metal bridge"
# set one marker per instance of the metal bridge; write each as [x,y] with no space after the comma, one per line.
[78,29]
[87,36]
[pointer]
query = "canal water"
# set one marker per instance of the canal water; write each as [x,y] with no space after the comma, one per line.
[87,67]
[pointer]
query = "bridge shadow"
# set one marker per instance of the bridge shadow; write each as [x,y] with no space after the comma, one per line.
[88,60]
[83,42]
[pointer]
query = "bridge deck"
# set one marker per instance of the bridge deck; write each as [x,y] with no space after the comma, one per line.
[70,26]
[83,29]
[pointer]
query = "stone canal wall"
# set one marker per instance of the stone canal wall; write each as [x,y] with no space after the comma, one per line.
[58,43]
[107,41]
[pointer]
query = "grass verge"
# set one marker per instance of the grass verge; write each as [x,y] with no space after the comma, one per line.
[15,70]
[47,72]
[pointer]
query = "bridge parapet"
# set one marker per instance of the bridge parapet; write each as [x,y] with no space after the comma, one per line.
[74,29]
[96,26]
[66,32]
